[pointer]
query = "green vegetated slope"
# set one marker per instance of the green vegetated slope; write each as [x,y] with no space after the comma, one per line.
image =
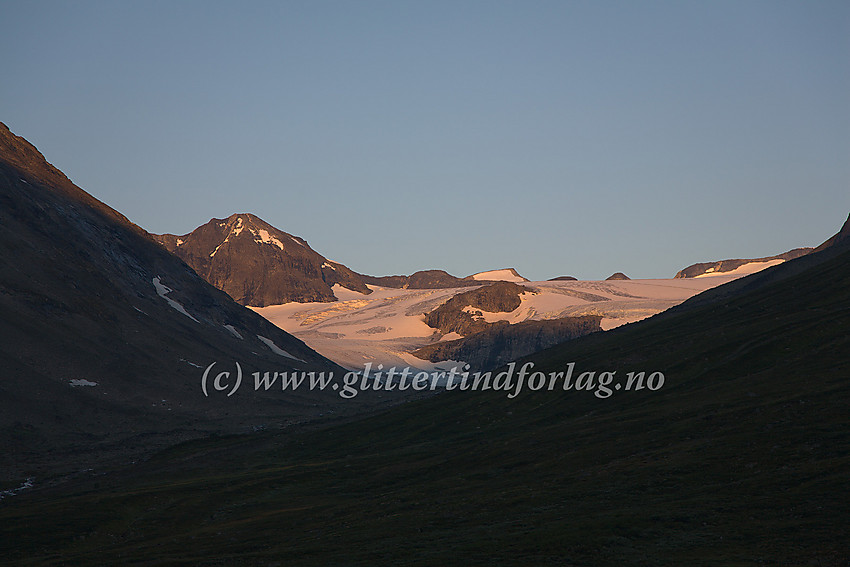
[740,459]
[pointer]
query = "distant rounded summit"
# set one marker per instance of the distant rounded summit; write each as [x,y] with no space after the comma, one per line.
[564,279]
[503,275]
[618,276]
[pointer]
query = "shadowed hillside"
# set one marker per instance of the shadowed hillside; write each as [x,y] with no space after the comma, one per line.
[739,459]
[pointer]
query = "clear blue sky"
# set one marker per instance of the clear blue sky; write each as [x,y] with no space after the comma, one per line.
[563,137]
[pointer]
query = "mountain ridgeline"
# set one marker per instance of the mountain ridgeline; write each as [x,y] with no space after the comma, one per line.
[259,265]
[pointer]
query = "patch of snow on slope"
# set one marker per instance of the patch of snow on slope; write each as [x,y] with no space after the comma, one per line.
[235,232]
[163,291]
[14,491]
[267,238]
[233,331]
[217,247]
[515,316]
[451,336]
[81,382]
[427,366]
[237,229]
[326,265]
[277,350]
[743,270]
[344,294]
[504,275]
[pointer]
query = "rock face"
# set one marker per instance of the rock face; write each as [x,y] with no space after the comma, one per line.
[721,266]
[499,344]
[106,334]
[259,265]
[453,315]
[618,276]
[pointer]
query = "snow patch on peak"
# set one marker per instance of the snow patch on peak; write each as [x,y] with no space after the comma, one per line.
[503,275]
[163,290]
[270,239]
[277,350]
[237,229]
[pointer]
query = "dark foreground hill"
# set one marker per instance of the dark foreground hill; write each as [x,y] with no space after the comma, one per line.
[739,458]
[105,334]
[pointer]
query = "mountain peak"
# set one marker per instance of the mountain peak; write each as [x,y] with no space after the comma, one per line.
[260,265]
[504,275]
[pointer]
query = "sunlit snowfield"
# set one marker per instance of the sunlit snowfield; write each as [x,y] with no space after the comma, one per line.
[385,326]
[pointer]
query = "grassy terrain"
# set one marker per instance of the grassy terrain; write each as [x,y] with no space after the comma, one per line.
[742,458]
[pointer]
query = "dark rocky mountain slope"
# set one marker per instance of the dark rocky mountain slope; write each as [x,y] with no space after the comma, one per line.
[105,334]
[259,265]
